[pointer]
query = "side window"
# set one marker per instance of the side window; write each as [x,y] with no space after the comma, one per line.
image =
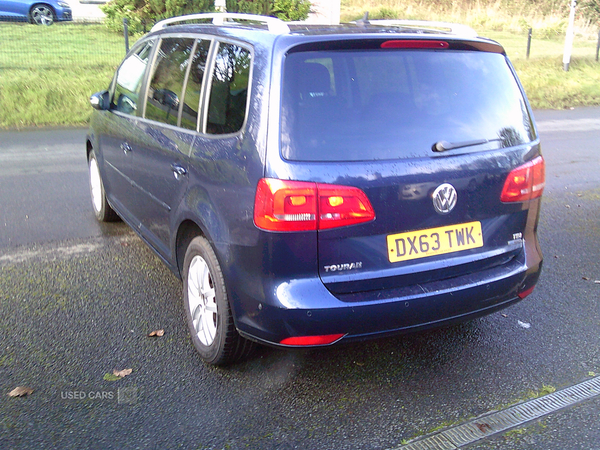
[129,80]
[229,90]
[166,84]
[189,113]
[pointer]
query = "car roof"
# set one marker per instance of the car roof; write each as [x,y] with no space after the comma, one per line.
[255,28]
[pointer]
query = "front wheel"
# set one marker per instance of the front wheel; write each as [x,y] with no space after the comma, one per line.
[102,210]
[41,15]
[207,307]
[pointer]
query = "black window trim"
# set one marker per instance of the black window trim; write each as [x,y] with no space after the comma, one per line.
[146,86]
[111,92]
[207,85]
[215,42]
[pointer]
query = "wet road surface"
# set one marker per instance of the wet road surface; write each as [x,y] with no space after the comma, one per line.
[79,299]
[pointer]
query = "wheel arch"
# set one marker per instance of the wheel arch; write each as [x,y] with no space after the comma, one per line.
[43,4]
[88,148]
[188,230]
[48,5]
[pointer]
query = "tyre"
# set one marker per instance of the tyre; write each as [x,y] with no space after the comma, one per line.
[41,15]
[102,210]
[207,309]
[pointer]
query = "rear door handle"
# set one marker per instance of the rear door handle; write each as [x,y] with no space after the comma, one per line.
[178,171]
[125,147]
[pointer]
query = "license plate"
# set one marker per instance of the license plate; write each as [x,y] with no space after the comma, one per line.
[434,241]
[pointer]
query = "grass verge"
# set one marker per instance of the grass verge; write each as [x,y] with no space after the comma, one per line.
[48,73]
[547,85]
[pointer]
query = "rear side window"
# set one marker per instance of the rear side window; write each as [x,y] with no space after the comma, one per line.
[166,84]
[229,90]
[392,104]
[189,112]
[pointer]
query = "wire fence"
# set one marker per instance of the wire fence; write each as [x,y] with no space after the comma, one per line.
[87,43]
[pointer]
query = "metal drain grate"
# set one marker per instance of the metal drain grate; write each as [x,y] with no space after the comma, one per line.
[499,421]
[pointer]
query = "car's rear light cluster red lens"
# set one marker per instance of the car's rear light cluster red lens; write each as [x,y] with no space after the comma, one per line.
[416,43]
[282,205]
[525,182]
[312,340]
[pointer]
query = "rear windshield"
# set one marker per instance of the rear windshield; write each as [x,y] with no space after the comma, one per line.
[352,105]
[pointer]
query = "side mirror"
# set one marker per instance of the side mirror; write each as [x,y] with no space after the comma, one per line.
[100,101]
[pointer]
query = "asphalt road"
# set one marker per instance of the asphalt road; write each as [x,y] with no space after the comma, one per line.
[79,298]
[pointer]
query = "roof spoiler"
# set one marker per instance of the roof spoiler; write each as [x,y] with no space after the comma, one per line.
[444,27]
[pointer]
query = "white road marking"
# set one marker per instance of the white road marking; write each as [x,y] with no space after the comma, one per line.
[55,253]
[550,126]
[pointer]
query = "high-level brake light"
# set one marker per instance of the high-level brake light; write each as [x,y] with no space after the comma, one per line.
[415,43]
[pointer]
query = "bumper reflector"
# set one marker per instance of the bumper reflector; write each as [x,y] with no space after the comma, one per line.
[312,340]
[525,293]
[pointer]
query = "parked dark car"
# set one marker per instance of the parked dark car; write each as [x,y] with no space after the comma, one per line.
[316,185]
[44,12]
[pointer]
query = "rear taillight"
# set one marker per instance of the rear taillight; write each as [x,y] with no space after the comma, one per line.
[525,182]
[282,205]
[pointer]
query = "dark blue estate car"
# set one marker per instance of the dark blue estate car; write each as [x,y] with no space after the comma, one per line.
[315,185]
[40,12]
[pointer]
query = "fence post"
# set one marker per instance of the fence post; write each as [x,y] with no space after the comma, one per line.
[126,33]
[569,37]
[529,42]
[598,46]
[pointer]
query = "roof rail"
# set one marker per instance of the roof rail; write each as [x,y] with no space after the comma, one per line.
[446,27]
[274,24]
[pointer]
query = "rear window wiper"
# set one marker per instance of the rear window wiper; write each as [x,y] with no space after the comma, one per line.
[442,146]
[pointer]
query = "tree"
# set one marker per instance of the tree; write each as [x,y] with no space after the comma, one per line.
[283,9]
[591,10]
[141,14]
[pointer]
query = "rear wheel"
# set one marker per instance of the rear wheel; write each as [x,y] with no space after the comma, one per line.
[41,15]
[207,307]
[102,210]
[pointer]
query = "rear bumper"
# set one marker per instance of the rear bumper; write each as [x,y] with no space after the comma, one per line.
[307,308]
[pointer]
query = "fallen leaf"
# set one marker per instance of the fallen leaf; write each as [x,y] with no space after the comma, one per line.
[158,333]
[110,377]
[20,391]
[122,373]
[483,427]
